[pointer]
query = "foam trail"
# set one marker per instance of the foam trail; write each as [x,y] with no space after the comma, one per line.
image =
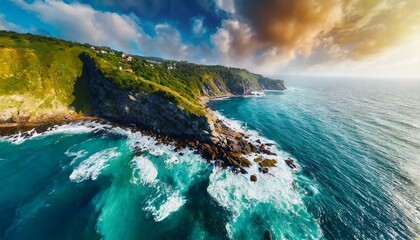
[91,167]
[172,204]
[146,173]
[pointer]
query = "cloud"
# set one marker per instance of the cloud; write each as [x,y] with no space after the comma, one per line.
[233,39]
[267,36]
[272,33]
[198,27]
[6,25]
[167,43]
[82,23]
[179,11]
[226,5]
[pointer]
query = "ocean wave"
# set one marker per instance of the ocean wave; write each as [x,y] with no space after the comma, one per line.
[167,183]
[146,173]
[239,196]
[75,155]
[171,204]
[70,128]
[92,167]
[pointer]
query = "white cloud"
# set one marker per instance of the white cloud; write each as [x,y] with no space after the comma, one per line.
[226,5]
[6,25]
[82,23]
[233,39]
[168,43]
[198,26]
[238,46]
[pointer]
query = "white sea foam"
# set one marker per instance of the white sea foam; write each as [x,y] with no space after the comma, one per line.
[165,197]
[76,155]
[147,172]
[173,180]
[18,138]
[252,135]
[237,194]
[91,167]
[172,161]
[71,128]
[172,204]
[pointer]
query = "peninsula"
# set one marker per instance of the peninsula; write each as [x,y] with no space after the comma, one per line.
[46,81]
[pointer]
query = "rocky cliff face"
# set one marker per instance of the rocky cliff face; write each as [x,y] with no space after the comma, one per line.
[148,110]
[269,84]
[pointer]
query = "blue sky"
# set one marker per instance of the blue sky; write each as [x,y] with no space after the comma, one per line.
[272,37]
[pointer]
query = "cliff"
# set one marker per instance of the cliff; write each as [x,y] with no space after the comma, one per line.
[46,79]
[149,110]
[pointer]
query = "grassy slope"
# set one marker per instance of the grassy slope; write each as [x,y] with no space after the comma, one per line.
[39,74]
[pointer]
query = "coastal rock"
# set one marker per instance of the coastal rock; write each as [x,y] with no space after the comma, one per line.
[265,162]
[268,163]
[253,178]
[291,163]
[263,149]
[258,159]
[245,161]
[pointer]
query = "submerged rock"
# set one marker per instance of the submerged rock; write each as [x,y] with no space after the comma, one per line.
[267,235]
[291,163]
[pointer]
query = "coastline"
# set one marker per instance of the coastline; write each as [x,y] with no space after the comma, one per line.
[231,151]
[7,129]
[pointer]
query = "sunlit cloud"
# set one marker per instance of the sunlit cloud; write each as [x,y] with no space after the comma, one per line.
[267,36]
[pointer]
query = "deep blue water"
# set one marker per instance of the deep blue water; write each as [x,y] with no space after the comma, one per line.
[358,140]
[357,144]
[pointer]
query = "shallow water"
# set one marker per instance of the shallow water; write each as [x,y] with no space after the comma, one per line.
[357,148]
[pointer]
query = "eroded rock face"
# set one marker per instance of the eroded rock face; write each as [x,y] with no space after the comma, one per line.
[170,123]
[148,110]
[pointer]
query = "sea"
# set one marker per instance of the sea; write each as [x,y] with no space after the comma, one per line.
[356,143]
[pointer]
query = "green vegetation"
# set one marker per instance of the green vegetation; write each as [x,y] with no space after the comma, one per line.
[181,82]
[37,73]
[41,73]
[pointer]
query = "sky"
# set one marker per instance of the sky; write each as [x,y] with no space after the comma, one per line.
[369,38]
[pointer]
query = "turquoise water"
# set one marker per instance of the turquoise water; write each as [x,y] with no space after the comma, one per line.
[357,146]
[359,143]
